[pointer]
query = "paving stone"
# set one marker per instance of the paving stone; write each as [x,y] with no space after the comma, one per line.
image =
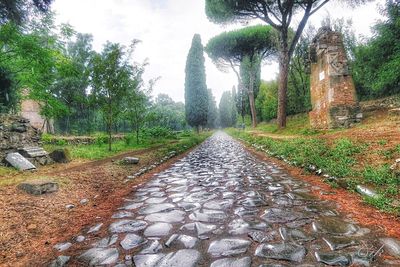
[203,228]
[132,241]
[186,240]
[148,260]
[122,214]
[183,257]
[275,215]
[232,262]
[228,247]
[100,256]
[156,200]
[262,236]
[218,204]
[334,226]
[281,251]
[95,228]
[107,241]
[158,229]
[240,226]
[206,215]
[61,261]
[63,246]
[337,243]
[189,206]
[153,248]
[333,259]
[293,235]
[169,217]
[154,208]
[124,226]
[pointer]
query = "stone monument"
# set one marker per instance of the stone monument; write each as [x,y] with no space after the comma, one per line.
[333,95]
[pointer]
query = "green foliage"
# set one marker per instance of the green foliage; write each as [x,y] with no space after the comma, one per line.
[227,110]
[212,115]
[17,11]
[377,63]
[380,176]
[101,139]
[111,77]
[246,48]
[158,132]
[167,113]
[196,95]
[8,91]
[267,100]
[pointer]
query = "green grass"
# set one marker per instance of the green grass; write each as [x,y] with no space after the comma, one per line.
[337,159]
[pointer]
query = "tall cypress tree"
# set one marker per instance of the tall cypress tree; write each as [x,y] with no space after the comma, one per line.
[196,95]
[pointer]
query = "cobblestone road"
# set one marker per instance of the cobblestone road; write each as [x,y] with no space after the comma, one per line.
[220,206]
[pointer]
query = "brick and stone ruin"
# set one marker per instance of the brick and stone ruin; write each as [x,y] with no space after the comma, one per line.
[19,144]
[333,94]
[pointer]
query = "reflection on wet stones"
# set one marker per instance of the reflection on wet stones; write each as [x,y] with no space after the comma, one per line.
[206,215]
[169,217]
[124,226]
[281,251]
[100,256]
[336,243]
[333,259]
[153,208]
[152,248]
[232,262]
[132,241]
[275,215]
[158,229]
[185,240]
[261,236]
[240,226]
[334,226]
[227,247]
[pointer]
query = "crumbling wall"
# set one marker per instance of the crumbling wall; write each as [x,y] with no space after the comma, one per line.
[16,133]
[333,95]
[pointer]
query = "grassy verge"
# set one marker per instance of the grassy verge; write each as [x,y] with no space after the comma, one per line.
[337,160]
[99,150]
[177,144]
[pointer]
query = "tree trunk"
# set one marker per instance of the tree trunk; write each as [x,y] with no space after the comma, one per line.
[109,127]
[251,101]
[137,133]
[283,80]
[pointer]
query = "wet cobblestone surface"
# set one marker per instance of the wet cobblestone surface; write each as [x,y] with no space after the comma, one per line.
[221,206]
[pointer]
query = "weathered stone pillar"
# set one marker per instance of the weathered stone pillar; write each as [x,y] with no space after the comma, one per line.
[333,95]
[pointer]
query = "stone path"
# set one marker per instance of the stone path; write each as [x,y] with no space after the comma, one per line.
[220,206]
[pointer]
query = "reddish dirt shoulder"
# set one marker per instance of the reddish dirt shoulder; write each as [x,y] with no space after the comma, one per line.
[31,225]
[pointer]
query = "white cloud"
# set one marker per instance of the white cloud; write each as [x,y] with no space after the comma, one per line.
[166,28]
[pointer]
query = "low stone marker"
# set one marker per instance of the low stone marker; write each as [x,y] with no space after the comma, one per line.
[39,187]
[61,155]
[19,162]
[130,160]
[366,191]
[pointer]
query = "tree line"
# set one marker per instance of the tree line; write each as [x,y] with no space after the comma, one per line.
[80,90]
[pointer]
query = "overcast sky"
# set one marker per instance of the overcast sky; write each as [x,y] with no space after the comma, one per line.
[166,28]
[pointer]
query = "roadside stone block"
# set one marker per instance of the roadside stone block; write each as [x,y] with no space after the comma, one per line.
[19,162]
[39,187]
[130,160]
[61,155]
